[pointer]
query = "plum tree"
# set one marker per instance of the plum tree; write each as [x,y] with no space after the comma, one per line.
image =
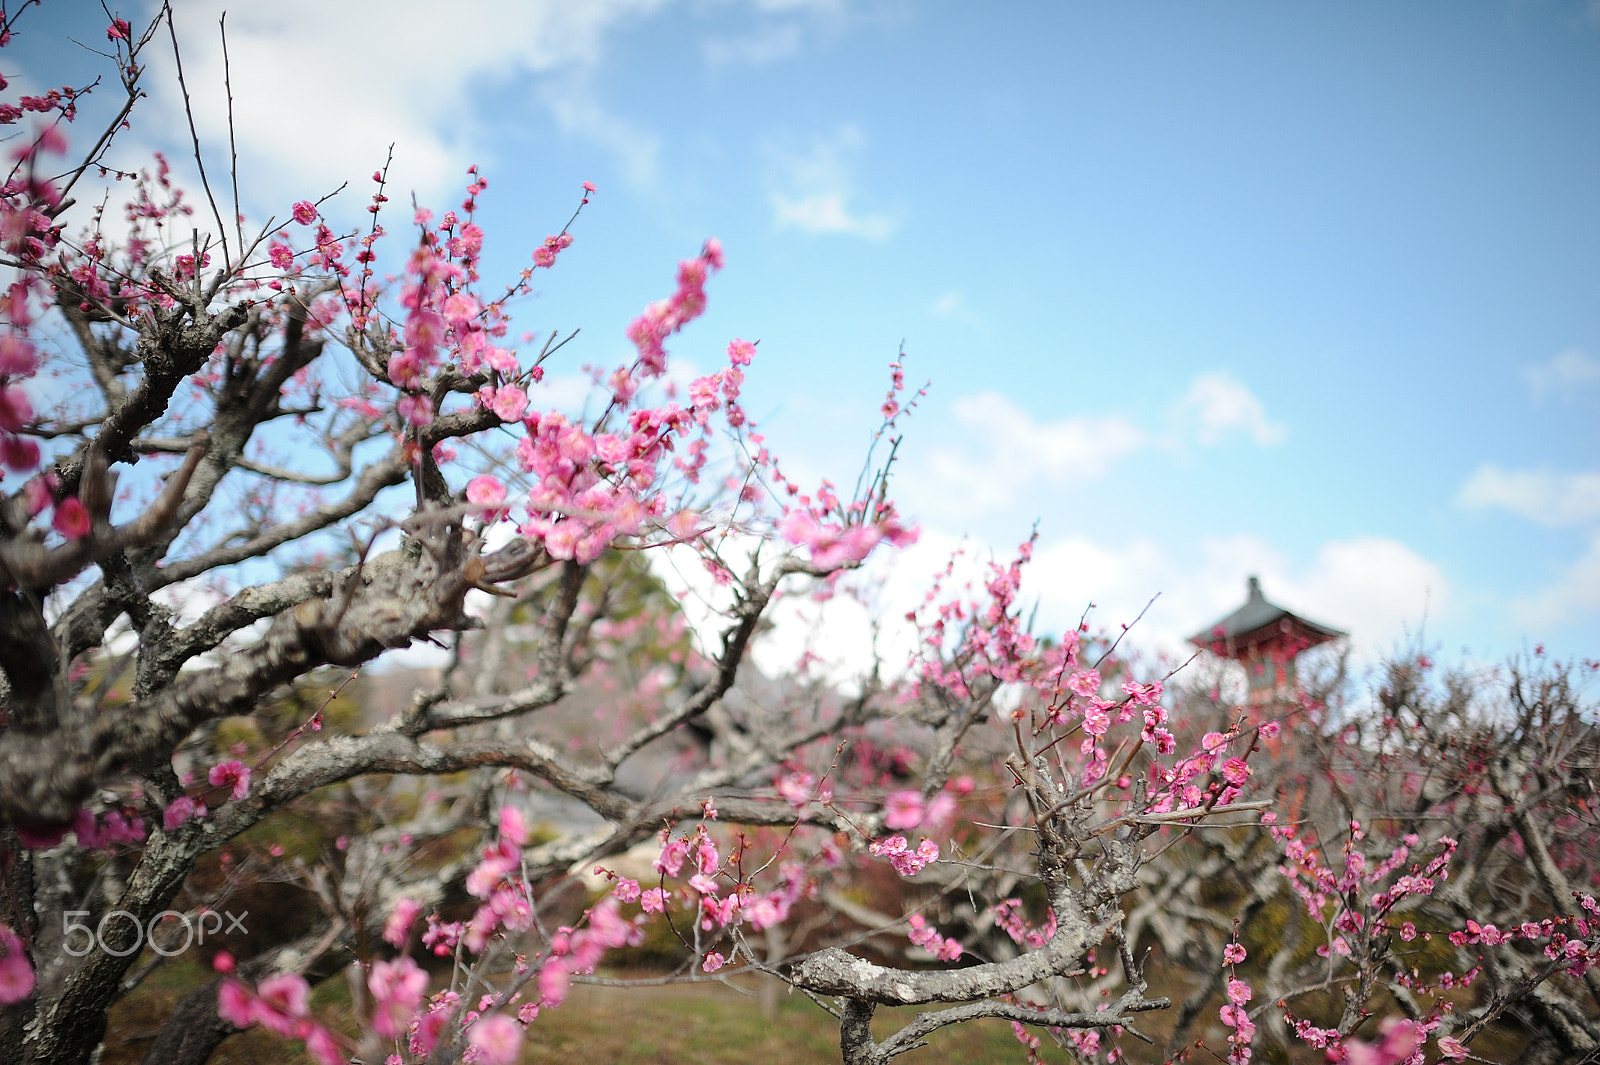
[240,466]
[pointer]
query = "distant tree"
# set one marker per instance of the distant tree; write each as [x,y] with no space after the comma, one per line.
[239,466]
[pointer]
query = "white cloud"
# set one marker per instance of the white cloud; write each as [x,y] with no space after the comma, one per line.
[637,151]
[1007,451]
[1376,588]
[813,190]
[757,49]
[1003,451]
[1570,369]
[1552,499]
[820,7]
[953,305]
[320,90]
[827,213]
[1575,594]
[1218,403]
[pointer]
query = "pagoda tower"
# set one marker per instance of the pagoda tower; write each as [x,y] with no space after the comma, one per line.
[1266,639]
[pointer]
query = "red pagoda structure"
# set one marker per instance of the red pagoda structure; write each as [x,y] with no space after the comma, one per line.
[1266,639]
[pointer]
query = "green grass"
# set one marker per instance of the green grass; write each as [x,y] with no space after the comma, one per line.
[710,1024]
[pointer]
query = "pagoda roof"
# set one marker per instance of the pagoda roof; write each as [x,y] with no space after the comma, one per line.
[1259,621]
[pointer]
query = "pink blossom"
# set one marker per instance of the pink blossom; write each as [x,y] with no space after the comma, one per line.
[554,982]
[673,852]
[486,491]
[497,1039]
[397,928]
[71,519]
[490,871]
[740,352]
[180,810]
[279,255]
[1142,694]
[321,1046]
[902,809]
[1084,683]
[17,355]
[1233,953]
[305,213]
[505,360]
[510,402]
[16,975]
[711,252]
[713,961]
[281,1000]
[623,385]
[940,809]
[653,901]
[1235,771]
[415,409]
[1096,721]
[797,788]
[397,988]
[512,826]
[1239,992]
[705,856]
[234,773]
[17,454]
[235,1005]
[15,410]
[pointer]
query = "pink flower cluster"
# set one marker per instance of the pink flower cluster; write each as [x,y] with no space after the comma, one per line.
[990,641]
[1401,1044]
[927,937]
[180,810]
[906,862]
[594,486]
[717,910]
[837,535]
[280,1004]
[660,320]
[397,929]
[834,544]
[398,987]
[1008,915]
[1233,1012]
[93,832]
[578,951]
[800,788]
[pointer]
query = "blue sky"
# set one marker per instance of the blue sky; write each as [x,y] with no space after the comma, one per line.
[1304,290]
